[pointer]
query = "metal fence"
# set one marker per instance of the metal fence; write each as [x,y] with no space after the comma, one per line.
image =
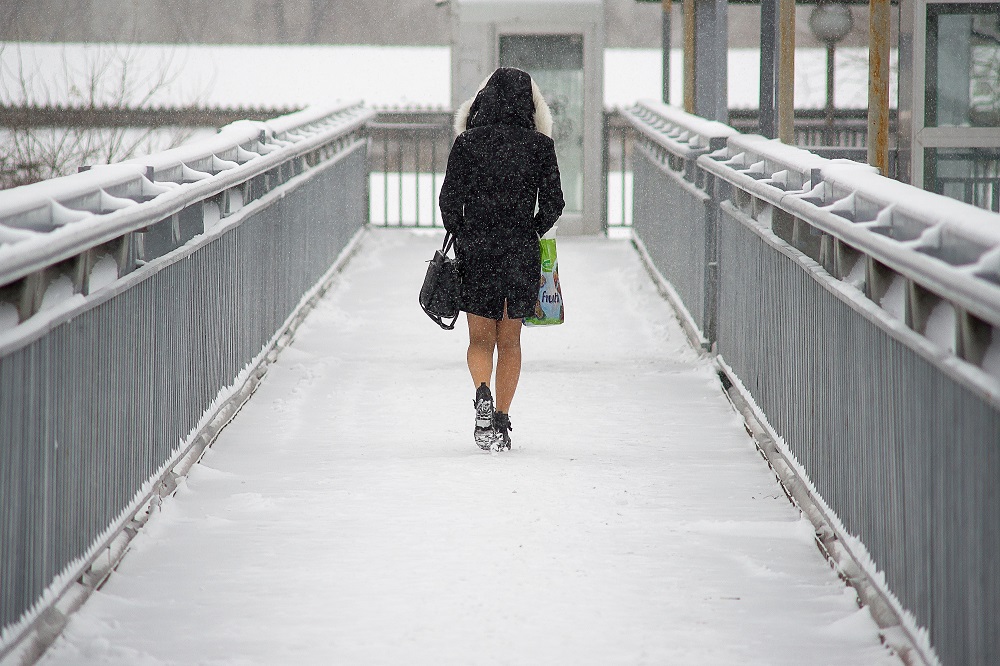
[862,316]
[407,159]
[409,152]
[966,174]
[408,155]
[133,298]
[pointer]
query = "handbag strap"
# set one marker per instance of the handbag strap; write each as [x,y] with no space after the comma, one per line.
[440,321]
[449,242]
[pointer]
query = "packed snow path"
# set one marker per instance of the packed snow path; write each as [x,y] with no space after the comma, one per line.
[346,517]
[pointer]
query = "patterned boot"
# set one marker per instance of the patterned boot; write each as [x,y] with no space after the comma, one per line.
[485,434]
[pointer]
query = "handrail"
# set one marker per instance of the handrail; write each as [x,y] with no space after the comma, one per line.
[673,126]
[48,222]
[682,135]
[861,227]
[948,247]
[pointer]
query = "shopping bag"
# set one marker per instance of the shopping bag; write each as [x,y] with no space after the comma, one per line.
[549,306]
[439,291]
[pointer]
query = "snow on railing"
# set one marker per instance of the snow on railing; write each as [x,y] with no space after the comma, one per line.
[64,226]
[930,261]
[680,136]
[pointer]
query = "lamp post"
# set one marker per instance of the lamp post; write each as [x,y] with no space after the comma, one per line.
[830,22]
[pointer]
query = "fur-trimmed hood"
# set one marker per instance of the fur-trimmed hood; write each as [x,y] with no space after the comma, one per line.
[504,98]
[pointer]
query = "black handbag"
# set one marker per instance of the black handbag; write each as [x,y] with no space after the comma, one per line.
[439,293]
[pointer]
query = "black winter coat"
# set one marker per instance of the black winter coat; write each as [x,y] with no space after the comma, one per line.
[497,170]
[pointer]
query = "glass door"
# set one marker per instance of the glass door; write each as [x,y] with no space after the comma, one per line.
[555,62]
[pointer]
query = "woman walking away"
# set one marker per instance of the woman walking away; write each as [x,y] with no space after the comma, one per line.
[501,164]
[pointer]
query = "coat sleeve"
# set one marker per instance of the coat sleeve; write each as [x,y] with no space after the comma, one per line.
[454,190]
[550,196]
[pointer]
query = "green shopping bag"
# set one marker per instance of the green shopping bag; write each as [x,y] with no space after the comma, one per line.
[549,306]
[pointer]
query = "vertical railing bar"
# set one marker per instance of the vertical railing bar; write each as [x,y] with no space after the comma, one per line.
[399,192]
[385,178]
[624,135]
[605,170]
[434,140]
[416,175]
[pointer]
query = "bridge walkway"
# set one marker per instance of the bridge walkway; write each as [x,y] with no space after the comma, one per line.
[346,517]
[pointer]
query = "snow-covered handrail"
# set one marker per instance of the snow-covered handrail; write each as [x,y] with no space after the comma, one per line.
[946,247]
[676,128]
[682,136]
[53,221]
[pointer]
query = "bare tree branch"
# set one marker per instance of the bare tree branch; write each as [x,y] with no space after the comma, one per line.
[115,75]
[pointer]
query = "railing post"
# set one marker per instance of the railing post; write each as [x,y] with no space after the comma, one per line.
[786,72]
[689,47]
[668,6]
[605,142]
[878,86]
[768,63]
[715,189]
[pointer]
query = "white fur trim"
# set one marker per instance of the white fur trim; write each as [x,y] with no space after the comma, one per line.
[543,116]
[462,115]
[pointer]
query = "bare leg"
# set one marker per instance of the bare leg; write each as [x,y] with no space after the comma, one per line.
[508,361]
[482,342]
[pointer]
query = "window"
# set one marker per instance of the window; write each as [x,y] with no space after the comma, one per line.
[555,62]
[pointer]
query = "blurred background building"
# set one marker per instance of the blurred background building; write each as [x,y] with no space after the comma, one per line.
[628,24]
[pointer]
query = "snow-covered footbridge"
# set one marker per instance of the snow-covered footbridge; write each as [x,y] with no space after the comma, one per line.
[229,435]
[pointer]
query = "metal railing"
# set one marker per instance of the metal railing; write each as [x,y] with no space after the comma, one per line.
[616,172]
[135,299]
[407,159]
[967,174]
[862,316]
[408,155]
[409,152]
[849,128]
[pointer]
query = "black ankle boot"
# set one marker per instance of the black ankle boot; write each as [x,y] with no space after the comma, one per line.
[501,424]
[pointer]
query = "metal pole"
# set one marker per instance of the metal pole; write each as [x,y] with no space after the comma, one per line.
[622,167]
[416,175]
[434,192]
[768,61]
[786,72]
[689,55]
[830,50]
[878,85]
[668,5]
[399,189]
[385,178]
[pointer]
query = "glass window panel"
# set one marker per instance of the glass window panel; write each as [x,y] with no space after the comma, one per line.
[963,65]
[555,62]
